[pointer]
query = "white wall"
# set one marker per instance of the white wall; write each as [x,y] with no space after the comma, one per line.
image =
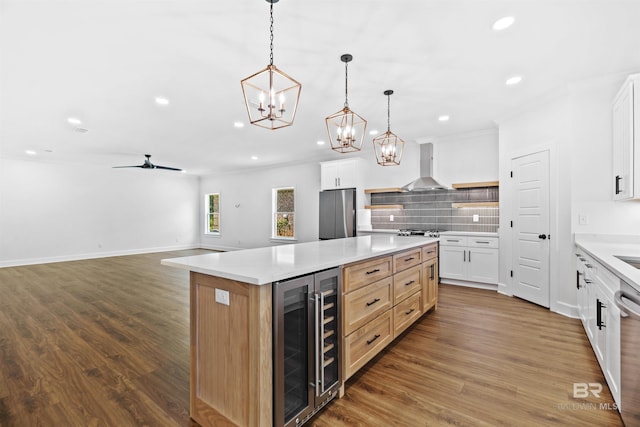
[593,181]
[245,205]
[53,212]
[576,128]
[467,157]
[541,127]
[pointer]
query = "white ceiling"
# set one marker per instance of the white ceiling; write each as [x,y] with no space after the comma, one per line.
[105,61]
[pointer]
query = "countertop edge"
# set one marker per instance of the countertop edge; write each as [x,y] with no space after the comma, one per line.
[605,253]
[271,277]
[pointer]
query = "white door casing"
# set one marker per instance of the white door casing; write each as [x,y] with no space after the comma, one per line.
[530,197]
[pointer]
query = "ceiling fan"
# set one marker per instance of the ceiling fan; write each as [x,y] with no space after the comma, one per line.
[148,165]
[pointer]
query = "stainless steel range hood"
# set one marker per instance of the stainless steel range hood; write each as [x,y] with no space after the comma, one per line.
[426,181]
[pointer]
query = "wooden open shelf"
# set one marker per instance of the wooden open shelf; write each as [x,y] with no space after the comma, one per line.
[476,184]
[383,190]
[475,205]
[384,207]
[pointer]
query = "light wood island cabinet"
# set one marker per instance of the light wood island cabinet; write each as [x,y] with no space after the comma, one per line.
[382,297]
[231,315]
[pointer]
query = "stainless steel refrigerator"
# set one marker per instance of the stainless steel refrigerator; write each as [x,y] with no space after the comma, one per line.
[337,213]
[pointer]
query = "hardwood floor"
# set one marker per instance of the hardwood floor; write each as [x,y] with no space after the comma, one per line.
[105,342]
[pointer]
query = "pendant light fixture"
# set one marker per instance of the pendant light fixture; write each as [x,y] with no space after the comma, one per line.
[346,129]
[270,95]
[388,147]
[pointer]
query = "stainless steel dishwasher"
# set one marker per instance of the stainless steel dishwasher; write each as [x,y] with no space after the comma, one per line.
[628,300]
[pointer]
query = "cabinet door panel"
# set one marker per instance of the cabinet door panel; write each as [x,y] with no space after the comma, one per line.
[482,265]
[328,176]
[623,141]
[453,262]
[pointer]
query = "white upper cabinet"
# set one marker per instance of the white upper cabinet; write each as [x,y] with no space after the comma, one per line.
[626,141]
[340,174]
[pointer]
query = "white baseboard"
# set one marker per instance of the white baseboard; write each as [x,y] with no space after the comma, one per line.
[94,255]
[504,290]
[565,309]
[218,247]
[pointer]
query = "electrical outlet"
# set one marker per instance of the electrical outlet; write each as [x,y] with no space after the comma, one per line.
[222,296]
[391,218]
[583,219]
[476,218]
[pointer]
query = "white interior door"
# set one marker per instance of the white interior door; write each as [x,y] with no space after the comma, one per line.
[531,227]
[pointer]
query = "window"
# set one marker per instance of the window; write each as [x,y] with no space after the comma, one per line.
[212,225]
[283,213]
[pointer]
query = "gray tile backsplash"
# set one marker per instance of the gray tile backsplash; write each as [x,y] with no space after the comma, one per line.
[433,210]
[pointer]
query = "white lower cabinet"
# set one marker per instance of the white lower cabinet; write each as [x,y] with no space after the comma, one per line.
[595,287]
[469,259]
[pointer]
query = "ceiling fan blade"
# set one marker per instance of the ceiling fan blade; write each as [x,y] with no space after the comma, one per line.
[167,168]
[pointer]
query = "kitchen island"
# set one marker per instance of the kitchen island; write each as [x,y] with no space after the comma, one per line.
[231,318]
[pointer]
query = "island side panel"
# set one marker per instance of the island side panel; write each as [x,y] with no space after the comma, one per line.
[231,353]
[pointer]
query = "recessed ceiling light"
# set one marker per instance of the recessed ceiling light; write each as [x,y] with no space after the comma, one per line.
[513,80]
[320,142]
[238,124]
[503,23]
[31,152]
[373,132]
[162,101]
[254,157]
[74,121]
[443,118]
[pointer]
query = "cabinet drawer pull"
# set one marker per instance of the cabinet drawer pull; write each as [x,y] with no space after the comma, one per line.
[409,282]
[410,311]
[453,240]
[375,337]
[373,271]
[482,241]
[409,259]
[373,302]
[430,252]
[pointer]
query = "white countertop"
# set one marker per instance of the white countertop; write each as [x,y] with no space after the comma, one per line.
[604,248]
[260,266]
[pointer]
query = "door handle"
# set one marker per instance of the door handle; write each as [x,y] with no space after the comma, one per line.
[618,178]
[542,236]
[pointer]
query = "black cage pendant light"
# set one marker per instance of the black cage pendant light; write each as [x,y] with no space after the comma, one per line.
[346,129]
[388,147]
[270,95]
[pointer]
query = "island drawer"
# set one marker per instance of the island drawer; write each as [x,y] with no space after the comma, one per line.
[407,259]
[362,345]
[362,273]
[406,283]
[364,304]
[429,252]
[406,312]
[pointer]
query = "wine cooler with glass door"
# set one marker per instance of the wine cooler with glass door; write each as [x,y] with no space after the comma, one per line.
[306,371]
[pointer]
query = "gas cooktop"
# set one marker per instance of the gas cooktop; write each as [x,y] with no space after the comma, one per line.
[413,232]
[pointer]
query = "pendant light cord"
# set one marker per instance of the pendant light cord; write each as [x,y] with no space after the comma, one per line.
[271,38]
[346,91]
[388,113]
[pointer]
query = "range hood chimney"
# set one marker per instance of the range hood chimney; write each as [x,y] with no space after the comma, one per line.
[426,181]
